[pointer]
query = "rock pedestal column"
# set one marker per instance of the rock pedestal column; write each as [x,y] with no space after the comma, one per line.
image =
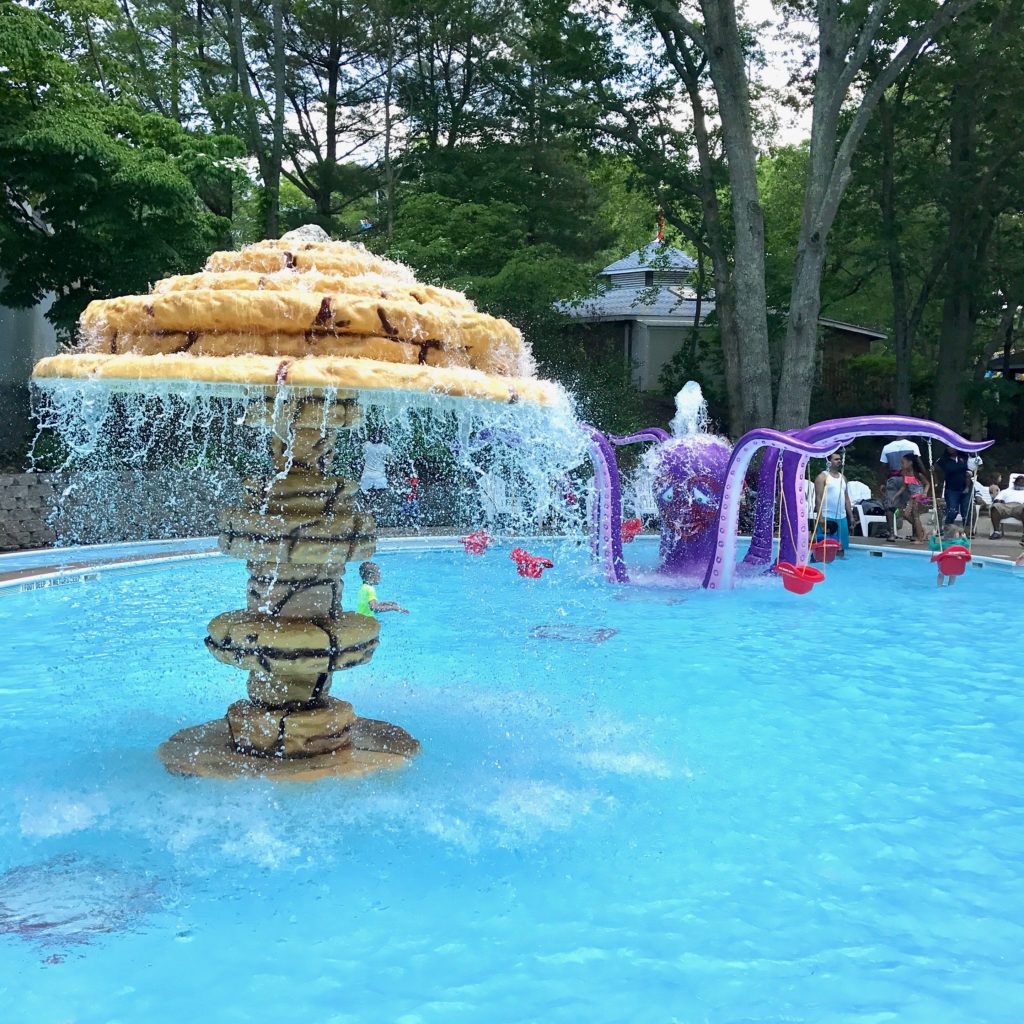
[296,532]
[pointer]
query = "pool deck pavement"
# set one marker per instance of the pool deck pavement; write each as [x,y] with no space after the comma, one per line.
[1007,549]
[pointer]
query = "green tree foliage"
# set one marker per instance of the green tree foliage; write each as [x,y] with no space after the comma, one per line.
[511,148]
[99,197]
[519,236]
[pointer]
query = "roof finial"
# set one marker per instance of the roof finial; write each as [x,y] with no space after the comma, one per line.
[661,224]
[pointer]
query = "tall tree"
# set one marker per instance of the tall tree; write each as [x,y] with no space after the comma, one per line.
[97,198]
[847,34]
[983,80]
[268,153]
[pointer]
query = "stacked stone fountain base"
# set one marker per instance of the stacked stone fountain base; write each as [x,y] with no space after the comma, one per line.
[296,533]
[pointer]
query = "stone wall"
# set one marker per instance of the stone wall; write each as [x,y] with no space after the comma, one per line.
[110,506]
[102,507]
[38,508]
[25,503]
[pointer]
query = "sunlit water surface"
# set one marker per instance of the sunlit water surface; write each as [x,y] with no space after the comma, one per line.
[633,804]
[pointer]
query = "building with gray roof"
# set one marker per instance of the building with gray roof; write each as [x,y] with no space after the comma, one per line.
[647,307]
[648,302]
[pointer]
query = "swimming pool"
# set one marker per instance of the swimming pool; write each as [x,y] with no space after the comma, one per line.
[632,804]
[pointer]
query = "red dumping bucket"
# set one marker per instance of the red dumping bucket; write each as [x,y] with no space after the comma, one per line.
[799,579]
[825,550]
[953,560]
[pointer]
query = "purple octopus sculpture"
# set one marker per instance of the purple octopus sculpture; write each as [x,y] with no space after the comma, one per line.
[688,477]
[699,486]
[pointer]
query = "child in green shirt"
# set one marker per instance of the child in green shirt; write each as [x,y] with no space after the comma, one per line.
[367,603]
[951,536]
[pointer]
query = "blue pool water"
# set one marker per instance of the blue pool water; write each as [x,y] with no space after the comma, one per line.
[633,804]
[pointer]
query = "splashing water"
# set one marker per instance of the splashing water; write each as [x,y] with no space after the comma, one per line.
[687,473]
[691,416]
[146,459]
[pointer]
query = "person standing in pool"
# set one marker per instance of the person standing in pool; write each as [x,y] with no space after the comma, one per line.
[830,488]
[374,480]
[367,603]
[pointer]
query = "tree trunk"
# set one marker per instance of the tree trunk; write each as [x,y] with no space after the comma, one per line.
[679,53]
[728,73]
[799,355]
[329,166]
[894,256]
[1001,342]
[175,70]
[390,177]
[272,179]
[252,124]
[958,312]
[730,342]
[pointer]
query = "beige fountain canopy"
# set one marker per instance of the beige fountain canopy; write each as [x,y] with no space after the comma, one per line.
[310,313]
[304,329]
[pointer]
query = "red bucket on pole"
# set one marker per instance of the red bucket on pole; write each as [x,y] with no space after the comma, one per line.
[953,560]
[826,550]
[799,579]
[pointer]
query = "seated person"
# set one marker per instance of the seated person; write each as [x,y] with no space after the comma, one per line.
[891,464]
[1008,504]
[913,495]
[367,603]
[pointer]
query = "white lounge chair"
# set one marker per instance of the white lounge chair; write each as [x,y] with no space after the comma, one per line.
[860,492]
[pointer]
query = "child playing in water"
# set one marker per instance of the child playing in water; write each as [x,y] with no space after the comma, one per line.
[367,603]
[952,535]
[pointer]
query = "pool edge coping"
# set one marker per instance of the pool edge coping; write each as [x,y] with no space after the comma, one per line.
[202,548]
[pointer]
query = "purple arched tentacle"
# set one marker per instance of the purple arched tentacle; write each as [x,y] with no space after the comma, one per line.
[837,433]
[762,540]
[867,426]
[793,540]
[594,514]
[833,434]
[650,434]
[606,516]
[721,570]
[609,502]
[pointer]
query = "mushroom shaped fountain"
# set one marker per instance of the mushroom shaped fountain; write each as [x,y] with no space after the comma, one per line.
[304,328]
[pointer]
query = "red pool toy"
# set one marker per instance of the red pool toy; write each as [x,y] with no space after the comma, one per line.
[477,543]
[630,528]
[530,565]
[799,579]
[826,550]
[953,560]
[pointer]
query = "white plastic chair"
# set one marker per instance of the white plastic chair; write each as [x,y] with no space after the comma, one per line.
[493,494]
[639,496]
[860,492]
